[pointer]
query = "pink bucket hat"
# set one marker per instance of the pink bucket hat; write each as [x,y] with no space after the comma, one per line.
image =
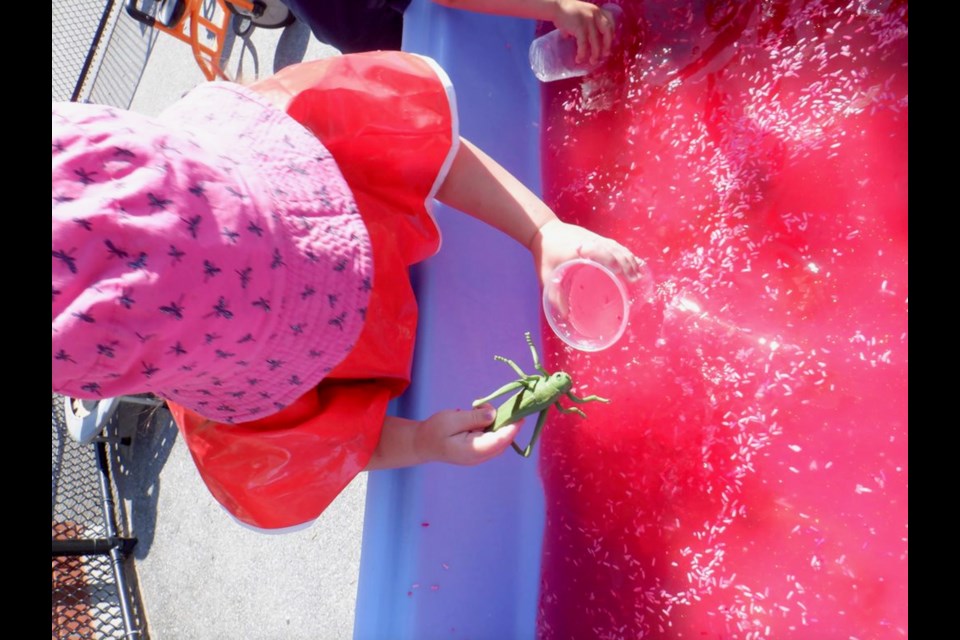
[213,255]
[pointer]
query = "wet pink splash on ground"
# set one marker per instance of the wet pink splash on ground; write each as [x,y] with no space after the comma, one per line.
[749,477]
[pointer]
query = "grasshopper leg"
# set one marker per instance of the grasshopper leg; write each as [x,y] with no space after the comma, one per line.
[573,397]
[513,365]
[525,452]
[536,356]
[563,409]
[510,386]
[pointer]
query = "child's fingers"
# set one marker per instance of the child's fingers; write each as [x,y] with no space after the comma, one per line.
[629,263]
[612,255]
[477,418]
[582,45]
[483,446]
[606,31]
[594,39]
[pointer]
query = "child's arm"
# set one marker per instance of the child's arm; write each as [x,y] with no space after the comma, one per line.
[477,185]
[588,23]
[452,436]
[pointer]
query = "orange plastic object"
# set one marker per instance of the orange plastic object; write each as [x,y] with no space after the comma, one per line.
[215,23]
[386,118]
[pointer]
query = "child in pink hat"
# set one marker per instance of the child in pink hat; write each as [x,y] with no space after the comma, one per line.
[244,256]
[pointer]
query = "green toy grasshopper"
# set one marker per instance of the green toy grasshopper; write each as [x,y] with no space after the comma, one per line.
[537,393]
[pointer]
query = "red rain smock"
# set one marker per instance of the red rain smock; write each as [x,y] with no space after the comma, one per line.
[389,120]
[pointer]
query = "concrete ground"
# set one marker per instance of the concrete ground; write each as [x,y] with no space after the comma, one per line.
[201,575]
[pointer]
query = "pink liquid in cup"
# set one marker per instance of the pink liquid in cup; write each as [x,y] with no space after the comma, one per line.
[586,305]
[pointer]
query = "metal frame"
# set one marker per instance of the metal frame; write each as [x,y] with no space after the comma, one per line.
[87,599]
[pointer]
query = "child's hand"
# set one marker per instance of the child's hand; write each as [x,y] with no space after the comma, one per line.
[592,27]
[557,242]
[458,437]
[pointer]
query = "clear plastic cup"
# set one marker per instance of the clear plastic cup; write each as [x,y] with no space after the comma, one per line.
[586,305]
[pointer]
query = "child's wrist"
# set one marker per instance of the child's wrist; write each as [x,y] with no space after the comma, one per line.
[422,449]
[560,7]
[539,232]
[555,11]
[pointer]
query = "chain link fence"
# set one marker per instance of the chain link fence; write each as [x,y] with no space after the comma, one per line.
[99,52]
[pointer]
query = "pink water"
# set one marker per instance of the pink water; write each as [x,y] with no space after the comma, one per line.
[596,306]
[749,477]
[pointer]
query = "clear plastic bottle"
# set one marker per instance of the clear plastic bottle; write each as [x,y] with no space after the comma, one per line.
[553,56]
